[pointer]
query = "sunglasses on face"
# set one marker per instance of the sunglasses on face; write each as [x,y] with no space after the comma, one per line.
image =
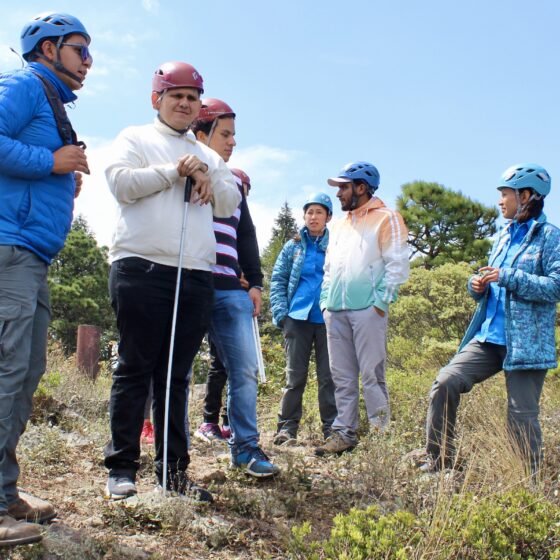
[81,49]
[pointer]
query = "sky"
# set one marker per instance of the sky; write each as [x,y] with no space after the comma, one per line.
[451,92]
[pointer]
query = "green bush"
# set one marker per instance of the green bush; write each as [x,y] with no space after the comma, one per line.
[516,525]
[429,317]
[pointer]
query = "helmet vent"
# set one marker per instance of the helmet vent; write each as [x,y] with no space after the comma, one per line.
[32,31]
[530,170]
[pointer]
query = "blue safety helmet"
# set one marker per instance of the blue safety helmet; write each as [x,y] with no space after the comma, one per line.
[319,198]
[49,24]
[357,171]
[527,176]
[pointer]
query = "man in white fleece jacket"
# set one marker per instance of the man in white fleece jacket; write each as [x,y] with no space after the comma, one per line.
[147,178]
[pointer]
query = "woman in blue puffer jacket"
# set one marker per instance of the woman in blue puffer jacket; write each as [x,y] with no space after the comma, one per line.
[513,327]
[295,287]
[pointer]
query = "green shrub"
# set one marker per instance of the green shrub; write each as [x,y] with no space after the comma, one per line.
[429,317]
[516,525]
[364,534]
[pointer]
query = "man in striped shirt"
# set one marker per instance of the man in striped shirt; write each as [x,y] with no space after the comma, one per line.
[366,262]
[231,329]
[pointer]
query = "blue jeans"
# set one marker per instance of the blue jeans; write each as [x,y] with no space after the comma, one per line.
[24,319]
[231,331]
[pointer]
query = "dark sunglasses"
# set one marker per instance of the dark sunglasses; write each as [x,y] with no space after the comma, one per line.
[81,49]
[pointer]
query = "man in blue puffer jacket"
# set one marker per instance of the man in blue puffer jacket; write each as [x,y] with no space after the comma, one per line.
[513,327]
[295,287]
[40,171]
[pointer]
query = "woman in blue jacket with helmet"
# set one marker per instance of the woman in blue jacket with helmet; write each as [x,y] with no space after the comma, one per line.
[513,327]
[295,287]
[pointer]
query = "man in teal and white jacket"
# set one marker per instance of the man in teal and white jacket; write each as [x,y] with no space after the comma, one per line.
[367,260]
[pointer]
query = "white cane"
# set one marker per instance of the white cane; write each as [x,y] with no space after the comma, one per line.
[257,337]
[188,190]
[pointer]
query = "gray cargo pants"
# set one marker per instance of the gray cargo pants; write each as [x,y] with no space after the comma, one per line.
[475,363]
[299,338]
[357,344]
[24,319]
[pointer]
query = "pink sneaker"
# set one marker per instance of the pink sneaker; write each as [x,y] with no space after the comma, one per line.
[147,435]
[226,431]
[209,433]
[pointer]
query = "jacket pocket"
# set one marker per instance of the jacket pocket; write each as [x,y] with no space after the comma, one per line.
[24,209]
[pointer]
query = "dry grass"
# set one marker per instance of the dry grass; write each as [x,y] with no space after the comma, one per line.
[61,458]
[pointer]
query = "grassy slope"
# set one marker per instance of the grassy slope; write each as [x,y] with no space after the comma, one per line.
[61,460]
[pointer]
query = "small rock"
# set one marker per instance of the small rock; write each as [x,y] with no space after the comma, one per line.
[213,476]
[95,521]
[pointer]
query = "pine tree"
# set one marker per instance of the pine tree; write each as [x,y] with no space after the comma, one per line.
[445,226]
[285,227]
[78,280]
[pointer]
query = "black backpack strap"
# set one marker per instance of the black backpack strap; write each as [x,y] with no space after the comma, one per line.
[63,124]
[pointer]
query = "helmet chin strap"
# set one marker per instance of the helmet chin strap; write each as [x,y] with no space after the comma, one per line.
[354,199]
[58,65]
[212,129]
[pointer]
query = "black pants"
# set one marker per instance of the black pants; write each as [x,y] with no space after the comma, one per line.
[215,383]
[142,295]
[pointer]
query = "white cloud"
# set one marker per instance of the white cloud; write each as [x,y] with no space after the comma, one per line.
[96,203]
[264,163]
[275,178]
[151,6]
[114,39]
[263,217]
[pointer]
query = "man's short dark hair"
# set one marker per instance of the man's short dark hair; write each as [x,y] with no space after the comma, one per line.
[206,126]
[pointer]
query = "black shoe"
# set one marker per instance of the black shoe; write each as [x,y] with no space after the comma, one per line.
[197,493]
[180,484]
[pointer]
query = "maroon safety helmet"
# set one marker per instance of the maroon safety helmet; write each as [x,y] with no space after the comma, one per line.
[242,176]
[176,75]
[214,108]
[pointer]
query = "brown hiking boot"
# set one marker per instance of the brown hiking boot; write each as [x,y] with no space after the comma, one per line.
[334,444]
[30,508]
[14,532]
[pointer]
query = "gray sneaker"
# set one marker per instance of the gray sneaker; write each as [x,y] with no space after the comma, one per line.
[119,487]
[14,532]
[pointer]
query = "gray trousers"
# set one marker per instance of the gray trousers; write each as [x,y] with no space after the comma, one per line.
[475,363]
[357,343]
[299,338]
[24,319]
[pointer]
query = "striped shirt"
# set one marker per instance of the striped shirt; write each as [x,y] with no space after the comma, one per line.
[236,249]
